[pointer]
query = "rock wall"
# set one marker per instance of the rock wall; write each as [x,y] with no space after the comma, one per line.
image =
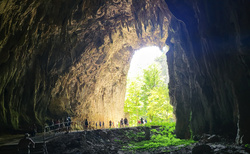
[60,58]
[209,65]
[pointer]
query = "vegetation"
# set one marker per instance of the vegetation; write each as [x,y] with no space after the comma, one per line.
[147,97]
[162,137]
[247,145]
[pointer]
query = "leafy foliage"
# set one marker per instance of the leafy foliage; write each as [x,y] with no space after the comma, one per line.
[133,104]
[151,79]
[247,145]
[147,96]
[158,106]
[162,137]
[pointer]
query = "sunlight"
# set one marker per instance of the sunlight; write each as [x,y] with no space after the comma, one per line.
[147,95]
[142,59]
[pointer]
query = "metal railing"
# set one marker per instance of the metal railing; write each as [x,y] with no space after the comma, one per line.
[75,125]
[51,131]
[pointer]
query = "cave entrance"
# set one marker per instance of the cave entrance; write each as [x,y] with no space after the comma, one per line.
[147,92]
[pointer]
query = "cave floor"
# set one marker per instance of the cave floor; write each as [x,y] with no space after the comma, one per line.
[112,141]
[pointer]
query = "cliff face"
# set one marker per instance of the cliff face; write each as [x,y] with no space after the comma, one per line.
[209,65]
[60,58]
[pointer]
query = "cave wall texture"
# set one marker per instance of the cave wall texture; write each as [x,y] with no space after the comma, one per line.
[209,63]
[60,58]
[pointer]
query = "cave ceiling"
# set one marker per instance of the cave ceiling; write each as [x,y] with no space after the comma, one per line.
[60,58]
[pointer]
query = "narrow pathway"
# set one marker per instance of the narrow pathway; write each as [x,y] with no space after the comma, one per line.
[10,146]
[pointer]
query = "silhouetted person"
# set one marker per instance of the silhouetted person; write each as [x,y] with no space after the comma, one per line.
[100,124]
[125,122]
[110,124]
[68,124]
[121,123]
[24,144]
[86,124]
[142,121]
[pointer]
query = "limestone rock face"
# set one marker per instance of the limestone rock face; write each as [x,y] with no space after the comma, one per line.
[209,65]
[60,58]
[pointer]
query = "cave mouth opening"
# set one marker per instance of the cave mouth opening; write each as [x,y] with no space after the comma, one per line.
[147,94]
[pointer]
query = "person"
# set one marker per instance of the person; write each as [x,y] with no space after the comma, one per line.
[66,121]
[103,124]
[121,123]
[125,122]
[96,125]
[110,124]
[69,121]
[68,124]
[100,124]
[142,121]
[86,124]
[25,143]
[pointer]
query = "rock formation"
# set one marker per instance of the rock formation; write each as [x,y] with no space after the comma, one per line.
[60,58]
[209,67]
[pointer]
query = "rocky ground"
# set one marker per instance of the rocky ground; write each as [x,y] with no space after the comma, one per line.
[112,142]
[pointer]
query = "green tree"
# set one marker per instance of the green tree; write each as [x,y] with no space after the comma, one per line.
[151,78]
[159,107]
[147,96]
[132,102]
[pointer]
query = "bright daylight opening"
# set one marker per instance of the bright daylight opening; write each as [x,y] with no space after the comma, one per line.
[147,98]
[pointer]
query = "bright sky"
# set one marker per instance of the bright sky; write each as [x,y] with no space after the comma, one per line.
[142,59]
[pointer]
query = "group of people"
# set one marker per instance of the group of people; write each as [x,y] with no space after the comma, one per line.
[142,121]
[111,124]
[26,143]
[101,124]
[123,123]
[59,124]
[88,124]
